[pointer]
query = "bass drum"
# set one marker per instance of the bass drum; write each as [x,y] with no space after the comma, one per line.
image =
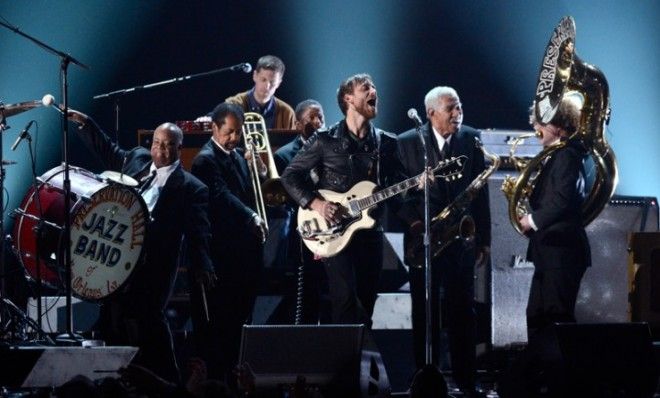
[108,226]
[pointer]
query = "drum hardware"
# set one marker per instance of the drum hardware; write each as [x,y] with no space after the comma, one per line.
[65,60]
[16,322]
[10,110]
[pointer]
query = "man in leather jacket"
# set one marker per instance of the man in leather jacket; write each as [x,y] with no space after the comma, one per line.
[348,152]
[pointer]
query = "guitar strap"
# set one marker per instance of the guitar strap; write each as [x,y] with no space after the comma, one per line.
[378,141]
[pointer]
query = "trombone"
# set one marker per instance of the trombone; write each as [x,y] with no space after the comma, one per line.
[271,192]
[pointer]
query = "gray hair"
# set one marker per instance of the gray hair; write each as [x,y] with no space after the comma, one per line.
[431,98]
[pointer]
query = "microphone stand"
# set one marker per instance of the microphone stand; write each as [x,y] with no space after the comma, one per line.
[38,229]
[69,337]
[117,94]
[429,375]
[3,127]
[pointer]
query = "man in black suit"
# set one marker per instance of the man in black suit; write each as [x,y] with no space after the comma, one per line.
[559,248]
[177,204]
[558,244]
[309,118]
[238,233]
[453,269]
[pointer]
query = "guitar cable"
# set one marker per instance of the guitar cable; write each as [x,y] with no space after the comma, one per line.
[300,285]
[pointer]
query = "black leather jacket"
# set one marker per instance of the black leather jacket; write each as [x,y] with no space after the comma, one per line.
[341,160]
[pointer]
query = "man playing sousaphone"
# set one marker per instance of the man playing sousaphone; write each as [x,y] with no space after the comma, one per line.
[558,244]
[178,206]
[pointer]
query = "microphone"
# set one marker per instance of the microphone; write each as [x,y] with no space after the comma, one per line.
[22,135]
[245,67]
[412,114]
[49,100]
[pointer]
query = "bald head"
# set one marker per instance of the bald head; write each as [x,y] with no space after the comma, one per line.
[166,144]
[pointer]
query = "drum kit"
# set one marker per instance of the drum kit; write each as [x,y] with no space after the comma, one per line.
[108,227]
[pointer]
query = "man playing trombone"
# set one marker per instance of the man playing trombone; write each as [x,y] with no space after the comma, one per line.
[238,233]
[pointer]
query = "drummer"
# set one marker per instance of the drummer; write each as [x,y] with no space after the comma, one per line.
[178,205]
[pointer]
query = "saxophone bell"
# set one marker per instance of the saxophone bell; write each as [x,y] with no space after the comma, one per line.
[452,223]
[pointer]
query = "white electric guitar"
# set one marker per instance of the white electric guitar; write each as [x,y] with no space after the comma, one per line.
[327,240]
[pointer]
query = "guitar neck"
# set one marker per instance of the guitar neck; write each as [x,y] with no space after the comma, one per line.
[386,193]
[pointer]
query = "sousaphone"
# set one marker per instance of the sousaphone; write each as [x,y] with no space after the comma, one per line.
[563,74]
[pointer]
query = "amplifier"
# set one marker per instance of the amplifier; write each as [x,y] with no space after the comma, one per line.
[499,143]
[603,295]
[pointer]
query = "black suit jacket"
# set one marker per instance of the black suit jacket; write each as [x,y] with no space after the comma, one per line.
[555,202]
[285,154]
[234,246]
[442,192]
[181,210]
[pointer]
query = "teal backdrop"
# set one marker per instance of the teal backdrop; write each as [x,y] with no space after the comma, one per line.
[489,51]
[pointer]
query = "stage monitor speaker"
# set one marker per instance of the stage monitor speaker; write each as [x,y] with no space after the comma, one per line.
[604,360]
[603,295]
[35,367]
[584,360]
[645,271]
[328,356]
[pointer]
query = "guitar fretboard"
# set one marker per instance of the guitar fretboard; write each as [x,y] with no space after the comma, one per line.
[359,205]
[386,193]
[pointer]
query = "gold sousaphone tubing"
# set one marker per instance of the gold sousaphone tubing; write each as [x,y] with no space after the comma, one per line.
[563,74]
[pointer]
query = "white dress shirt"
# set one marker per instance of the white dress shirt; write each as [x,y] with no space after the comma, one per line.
[152,192]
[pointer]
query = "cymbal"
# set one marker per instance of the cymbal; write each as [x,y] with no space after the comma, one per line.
[14,109]
[119,178]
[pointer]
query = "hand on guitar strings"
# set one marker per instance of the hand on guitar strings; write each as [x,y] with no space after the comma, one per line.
[330,211]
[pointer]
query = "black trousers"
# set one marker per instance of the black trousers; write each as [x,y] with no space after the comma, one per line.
[353,277]
[230,305]
[453,271]
[126,322]
[552,296]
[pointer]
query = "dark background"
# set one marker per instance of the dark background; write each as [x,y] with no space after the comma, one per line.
[489,51]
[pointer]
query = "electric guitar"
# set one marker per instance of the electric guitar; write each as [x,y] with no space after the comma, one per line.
[327,240]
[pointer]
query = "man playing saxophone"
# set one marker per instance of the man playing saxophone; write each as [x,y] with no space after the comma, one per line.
[454,267]
[558,244]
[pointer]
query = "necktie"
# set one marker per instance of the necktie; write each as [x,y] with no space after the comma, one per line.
[150,191]
[444,153]
[146,181]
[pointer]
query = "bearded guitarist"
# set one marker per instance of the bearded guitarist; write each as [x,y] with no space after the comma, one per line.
[348,152]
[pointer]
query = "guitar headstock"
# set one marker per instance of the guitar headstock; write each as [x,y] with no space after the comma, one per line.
[450,169]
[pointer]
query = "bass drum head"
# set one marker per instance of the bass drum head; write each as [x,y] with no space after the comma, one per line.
[107,240]
[27,237]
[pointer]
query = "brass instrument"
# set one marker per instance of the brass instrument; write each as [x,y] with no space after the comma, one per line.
[271,192]
[451,223]
[563,74]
